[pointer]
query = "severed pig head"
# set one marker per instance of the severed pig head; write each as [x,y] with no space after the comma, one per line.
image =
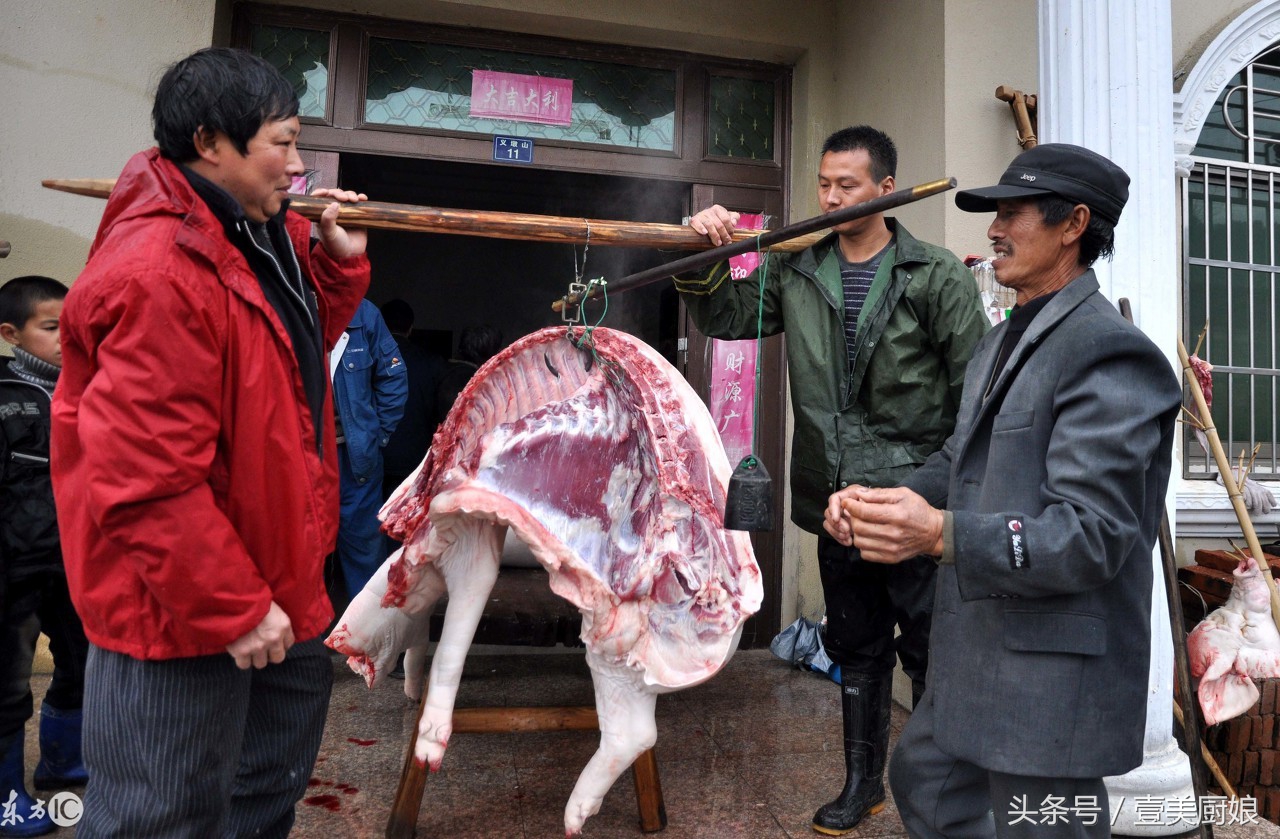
[1234,645]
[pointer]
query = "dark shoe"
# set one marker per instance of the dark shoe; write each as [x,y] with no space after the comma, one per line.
[864,701]
[397,672]
[13,793]
[60,763]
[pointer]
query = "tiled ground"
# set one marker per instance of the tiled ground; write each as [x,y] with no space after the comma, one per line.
[748,755]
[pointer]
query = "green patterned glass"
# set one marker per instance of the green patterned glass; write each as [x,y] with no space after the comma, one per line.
[740,119]
[426,85]
[302,55]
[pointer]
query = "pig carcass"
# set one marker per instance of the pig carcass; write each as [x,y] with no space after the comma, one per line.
[1234,645]
[604,462]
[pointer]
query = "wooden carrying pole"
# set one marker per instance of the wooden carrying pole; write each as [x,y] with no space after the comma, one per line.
[764,240]
[524,226]
[1229,479]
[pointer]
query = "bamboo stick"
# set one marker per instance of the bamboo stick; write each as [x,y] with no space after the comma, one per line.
[1229,480]
[522,226]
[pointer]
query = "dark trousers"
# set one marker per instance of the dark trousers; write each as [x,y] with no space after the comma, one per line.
[33,604]
[196,747]
[942,797]
[865,600]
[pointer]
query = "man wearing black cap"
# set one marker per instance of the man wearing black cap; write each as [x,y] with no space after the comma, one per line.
[1042,510]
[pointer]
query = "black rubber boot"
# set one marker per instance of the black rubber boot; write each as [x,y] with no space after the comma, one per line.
[865,702]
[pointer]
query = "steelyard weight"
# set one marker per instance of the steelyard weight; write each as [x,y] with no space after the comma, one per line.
[748,503]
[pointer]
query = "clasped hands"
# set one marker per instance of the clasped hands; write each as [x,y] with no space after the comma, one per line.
[885,525]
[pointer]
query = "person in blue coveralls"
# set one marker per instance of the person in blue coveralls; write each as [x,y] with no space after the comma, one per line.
[370,387]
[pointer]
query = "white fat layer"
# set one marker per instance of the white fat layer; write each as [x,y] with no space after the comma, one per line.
[470,568]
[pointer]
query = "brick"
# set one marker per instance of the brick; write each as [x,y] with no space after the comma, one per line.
[1268,703]
[1263,733]
[1267,767]
[1217,560]
[1215,585]
[1269,804]
[1226,560]
[1239,734]
[1249,772]
[1233,767]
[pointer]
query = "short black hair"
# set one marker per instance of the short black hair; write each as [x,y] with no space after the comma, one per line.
[20,296]
[1099,238]
[398,315]
[219,89]
[883,153]
[479,342]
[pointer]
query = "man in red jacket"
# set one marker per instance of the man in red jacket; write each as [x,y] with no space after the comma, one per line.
[194,464]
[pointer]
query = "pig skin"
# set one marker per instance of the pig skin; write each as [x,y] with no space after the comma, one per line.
[608,466]
[1234,645]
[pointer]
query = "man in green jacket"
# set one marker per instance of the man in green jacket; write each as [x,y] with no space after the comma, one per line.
[879,329]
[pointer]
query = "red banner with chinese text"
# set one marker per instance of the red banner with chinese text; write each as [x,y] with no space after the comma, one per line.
[522,98]
[733,368]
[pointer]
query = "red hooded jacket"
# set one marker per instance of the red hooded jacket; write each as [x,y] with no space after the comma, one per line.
[190,488]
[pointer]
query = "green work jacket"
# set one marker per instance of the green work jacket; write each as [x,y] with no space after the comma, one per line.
[875,423]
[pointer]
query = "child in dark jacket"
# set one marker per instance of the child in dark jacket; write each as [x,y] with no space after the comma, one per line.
[33,585]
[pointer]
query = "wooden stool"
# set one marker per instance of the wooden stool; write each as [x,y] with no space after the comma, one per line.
[522,611]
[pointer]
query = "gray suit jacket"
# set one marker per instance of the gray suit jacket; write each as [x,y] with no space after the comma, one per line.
[1054,482]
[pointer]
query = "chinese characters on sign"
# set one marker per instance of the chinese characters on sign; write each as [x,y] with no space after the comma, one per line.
[1151,810]
[512,149]
[64,810]
[523,98]
[733,369]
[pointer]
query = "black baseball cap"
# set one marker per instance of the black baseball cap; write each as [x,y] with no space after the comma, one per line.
[1072,172]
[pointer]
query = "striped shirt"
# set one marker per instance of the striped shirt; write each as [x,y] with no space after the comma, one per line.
[856,278]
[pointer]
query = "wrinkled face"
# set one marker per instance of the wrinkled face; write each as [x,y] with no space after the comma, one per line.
[845,179]
[39,335]
[1027,250]
[260,179]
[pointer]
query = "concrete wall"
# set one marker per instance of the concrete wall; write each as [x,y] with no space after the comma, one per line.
[78,82]
[1195,24]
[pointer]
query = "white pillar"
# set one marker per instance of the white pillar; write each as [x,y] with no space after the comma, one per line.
[1106,71]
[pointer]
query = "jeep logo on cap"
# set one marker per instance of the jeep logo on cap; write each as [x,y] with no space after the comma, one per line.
[1028,177]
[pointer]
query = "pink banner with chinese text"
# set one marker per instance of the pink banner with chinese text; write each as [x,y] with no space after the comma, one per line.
[523,98]
[733,368]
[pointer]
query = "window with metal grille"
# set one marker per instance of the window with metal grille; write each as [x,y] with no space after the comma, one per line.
[422,84]
[1231,267]
[302,55]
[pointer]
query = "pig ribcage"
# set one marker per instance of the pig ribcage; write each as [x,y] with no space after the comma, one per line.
[607,465]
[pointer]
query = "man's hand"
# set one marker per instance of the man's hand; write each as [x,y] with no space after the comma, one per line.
[266,642]
[892,525]
[338,241]
[837,524]
[716,223]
